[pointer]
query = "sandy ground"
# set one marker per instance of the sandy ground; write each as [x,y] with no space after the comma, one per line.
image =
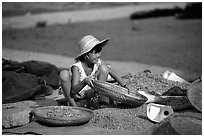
[63,62]
[177,38]
[156,44]
[175,45]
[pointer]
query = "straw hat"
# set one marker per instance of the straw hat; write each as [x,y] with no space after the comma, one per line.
[88,42]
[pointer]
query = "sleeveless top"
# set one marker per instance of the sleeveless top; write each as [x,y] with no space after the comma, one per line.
[83,74]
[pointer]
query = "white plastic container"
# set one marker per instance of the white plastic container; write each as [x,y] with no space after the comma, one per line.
[173,77]
[158,112]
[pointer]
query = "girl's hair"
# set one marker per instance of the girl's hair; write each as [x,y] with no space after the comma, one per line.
[97,49]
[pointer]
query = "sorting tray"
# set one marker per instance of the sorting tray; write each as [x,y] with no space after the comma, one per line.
[62,115]
[119,93]
[186,124]
[194,94]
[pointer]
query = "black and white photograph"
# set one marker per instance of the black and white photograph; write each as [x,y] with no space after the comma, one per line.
[101,67]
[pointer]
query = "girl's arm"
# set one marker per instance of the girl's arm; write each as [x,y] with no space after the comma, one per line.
[76,85]
[117,77]
[114,75]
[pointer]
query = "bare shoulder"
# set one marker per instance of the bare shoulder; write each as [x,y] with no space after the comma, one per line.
[104,67]
[103,63]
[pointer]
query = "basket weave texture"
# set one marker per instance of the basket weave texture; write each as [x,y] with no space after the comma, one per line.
[194,94]
[118,93]
[84,115]
[185,124]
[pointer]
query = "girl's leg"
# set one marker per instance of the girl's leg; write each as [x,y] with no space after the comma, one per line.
[66,86]
[104,71]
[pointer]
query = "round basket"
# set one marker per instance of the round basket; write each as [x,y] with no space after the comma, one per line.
[53,115]
[186,125]
[119,93]
[194,94]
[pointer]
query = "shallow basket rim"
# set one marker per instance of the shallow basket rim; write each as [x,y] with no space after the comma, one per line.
[59,122]
[125,98]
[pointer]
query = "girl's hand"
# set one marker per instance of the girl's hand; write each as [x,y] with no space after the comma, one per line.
[88,81]
[125,86]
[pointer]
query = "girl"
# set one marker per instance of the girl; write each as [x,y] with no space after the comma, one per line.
[88,66]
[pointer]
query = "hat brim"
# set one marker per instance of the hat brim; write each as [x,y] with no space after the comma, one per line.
[102,43]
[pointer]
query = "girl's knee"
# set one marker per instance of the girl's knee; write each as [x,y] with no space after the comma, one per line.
[64,75]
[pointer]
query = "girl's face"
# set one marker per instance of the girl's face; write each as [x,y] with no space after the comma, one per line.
[94,54]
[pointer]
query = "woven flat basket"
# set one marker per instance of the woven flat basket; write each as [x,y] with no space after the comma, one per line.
[83,116]
[119,93]
[186,124]
[194,94]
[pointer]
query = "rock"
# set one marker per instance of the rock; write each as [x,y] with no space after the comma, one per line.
[16,114]
[41,24]
[15,117]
